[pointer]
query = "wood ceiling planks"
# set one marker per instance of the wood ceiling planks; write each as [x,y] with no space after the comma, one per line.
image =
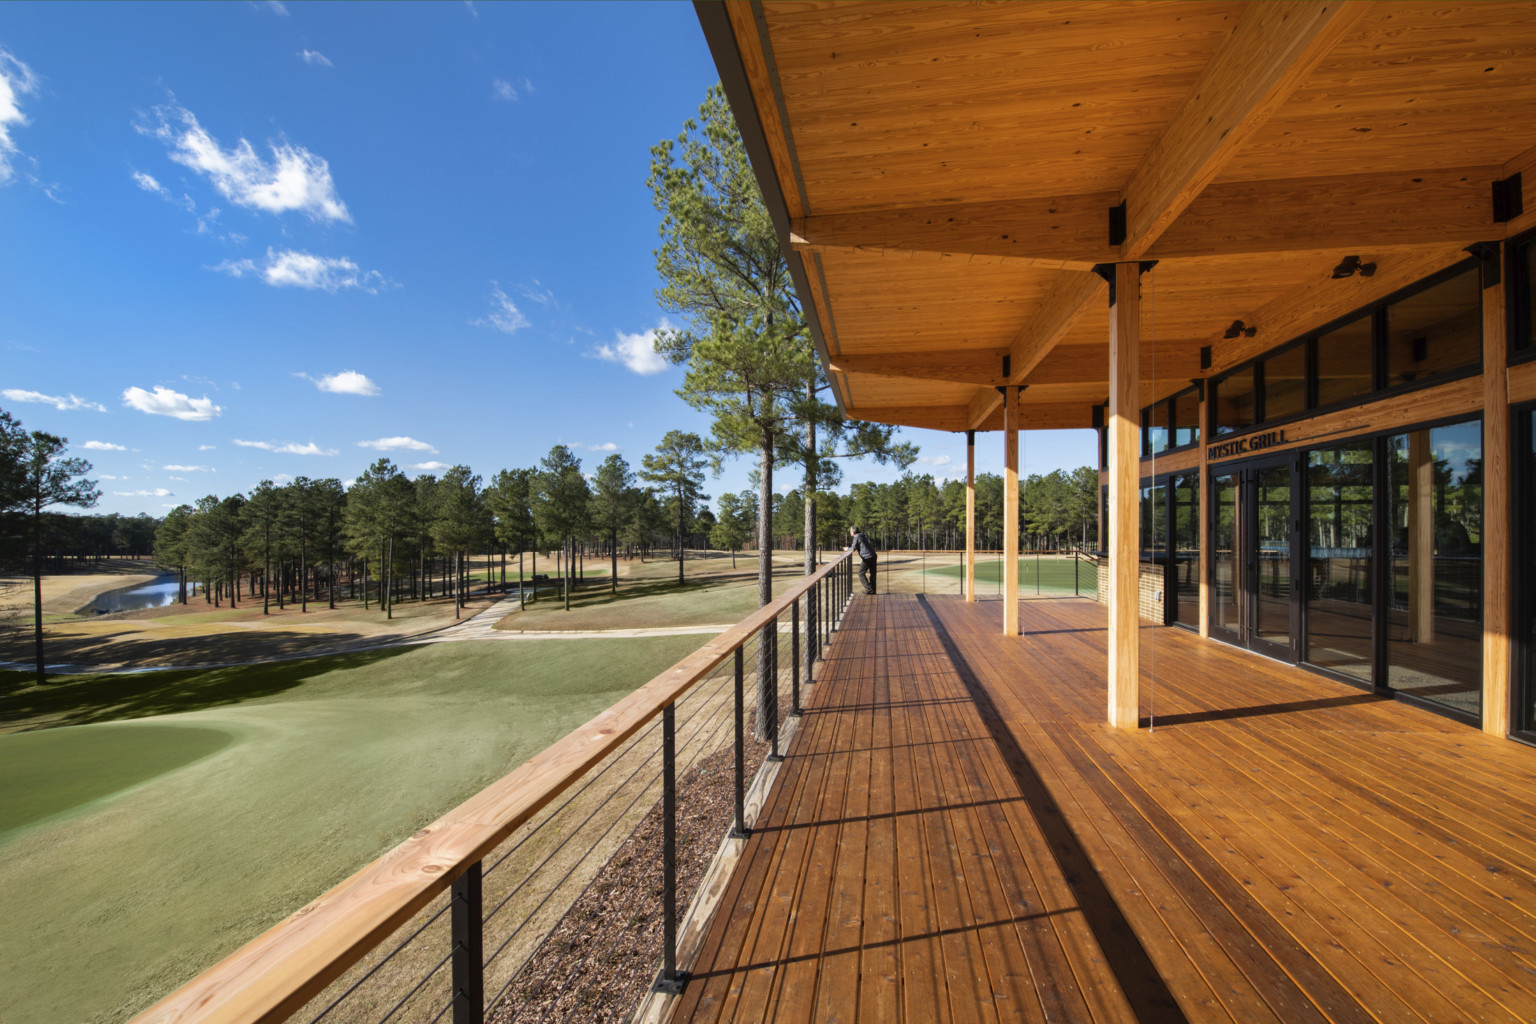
[903,120]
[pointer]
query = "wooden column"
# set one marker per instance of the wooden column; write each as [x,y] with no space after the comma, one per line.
[1124,494]
[1011,510]
[970,515]
[1203,531]
[1497,514]
[1421,539]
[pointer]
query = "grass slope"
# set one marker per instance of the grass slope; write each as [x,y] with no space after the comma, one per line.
[1055,574]
[185,812]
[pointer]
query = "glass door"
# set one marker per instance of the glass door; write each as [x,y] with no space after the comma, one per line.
[1225,582]
[1254,541]
[1271,525]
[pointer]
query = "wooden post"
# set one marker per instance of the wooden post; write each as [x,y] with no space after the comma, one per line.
[1203,531]
[1421,538]
[1011,511]
[970,515]
[1497,515]
[1124,494]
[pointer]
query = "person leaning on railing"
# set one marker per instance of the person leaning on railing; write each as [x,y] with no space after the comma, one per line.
[866,551]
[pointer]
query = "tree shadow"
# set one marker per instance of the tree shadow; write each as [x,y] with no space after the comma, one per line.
[80,700]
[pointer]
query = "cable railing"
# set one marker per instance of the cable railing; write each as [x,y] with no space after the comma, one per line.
[572,889]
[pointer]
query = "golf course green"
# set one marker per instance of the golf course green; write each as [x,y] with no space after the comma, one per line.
[1048,575]
[150,824]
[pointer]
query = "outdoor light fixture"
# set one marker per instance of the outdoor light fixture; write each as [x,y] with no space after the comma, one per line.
[1352,266]
[1237,330]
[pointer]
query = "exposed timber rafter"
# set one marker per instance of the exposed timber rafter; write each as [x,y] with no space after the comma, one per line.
[965,366]
[1422,207]
[1036,416]
[1270,52]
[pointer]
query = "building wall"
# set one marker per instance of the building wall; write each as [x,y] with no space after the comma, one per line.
[1149,600]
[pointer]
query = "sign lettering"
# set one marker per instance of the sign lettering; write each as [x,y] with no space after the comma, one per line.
[1245,445]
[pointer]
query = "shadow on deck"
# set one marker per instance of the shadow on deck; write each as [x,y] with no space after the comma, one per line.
[957,836]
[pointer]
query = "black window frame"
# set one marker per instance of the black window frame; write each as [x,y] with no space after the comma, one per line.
[1520,326]
[1377,311]
[1170,404]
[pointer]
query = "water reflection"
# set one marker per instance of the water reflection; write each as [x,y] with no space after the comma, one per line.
[158,594]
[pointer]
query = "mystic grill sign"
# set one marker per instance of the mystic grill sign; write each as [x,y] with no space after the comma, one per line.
[1245,445]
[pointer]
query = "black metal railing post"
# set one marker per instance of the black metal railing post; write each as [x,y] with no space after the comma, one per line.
[739,831]
[468,949]
[671,980]
[794,656]
[771,635]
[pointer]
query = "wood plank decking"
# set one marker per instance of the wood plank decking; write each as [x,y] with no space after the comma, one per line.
[956,836]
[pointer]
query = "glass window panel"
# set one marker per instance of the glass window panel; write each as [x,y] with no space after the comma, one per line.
[1338,594]
[1186,418]
[1285,383]
[1435,513]
[1344,363]
[1435,331]
[1224,593]
[1156,419]
[1524,297]
[1154,523]
[1526,513]
[1184,571]
[1234,402]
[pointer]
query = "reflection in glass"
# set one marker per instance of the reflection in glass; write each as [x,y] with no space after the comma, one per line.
[1435,331]
[1156,418]
[1224,606]
[1186,418]
[1154,523]
[1234,402]
[1435,513]
[1526,513]
[1344,363]
[1185,568]
[1285,383]
[1339,515]
[1272,495]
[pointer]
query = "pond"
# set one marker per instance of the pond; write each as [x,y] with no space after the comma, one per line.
[158,594]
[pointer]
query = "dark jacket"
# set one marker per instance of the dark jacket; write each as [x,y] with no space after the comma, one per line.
[863,548]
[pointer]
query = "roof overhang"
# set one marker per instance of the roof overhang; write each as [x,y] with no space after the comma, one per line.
[945,177]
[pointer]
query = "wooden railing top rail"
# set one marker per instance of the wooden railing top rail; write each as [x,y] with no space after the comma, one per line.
[275,974]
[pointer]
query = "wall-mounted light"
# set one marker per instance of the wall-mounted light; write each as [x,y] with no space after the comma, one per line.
[1238,330]
[1351,266]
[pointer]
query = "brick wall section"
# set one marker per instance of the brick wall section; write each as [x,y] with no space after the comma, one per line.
[1149,601]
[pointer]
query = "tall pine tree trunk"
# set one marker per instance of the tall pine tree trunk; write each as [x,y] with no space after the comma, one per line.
[767,640]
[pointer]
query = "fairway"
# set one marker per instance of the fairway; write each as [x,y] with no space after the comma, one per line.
[1046,575]
[219,802]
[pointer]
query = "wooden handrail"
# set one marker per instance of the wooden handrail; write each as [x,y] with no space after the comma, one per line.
[275,974]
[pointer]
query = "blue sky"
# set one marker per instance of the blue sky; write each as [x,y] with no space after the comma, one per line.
[256,240]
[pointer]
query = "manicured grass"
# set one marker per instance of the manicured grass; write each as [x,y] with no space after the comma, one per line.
[216,803]
[1054,574]
[711,594]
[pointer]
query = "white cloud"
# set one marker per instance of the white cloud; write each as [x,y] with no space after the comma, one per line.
[390,444]
[934,460]
[293,269]
[16,79]
[536,292]
[206,447]
[176,468]
[503,90]
[109,476]
[158,492]
[283,478]
[471,5]
[505,317]
[347,484]
[431,467]
[295,179]
[63,403]
[606,446]
[148,183]
[636,351]
[275,6]
[347,382]
[165,402]
[287,447]
[103,446]
[316,58]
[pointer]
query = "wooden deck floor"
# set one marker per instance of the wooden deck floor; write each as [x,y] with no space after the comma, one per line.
[956,836]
